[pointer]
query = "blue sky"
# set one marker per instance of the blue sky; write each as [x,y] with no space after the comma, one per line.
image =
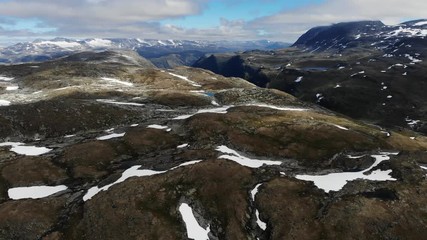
[237,10]
[281,20]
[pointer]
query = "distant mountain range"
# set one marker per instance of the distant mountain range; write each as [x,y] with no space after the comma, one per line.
[164,53]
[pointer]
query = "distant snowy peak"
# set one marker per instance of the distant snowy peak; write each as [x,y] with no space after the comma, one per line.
[132,43]
[42,50]
[99,43]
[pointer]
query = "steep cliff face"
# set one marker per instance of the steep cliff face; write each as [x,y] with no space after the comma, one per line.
[233,66]
[340,34]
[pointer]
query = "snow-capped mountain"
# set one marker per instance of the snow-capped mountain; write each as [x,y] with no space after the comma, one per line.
[392,39]
[41,50]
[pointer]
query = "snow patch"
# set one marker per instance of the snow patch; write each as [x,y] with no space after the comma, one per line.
[411,32]
[234,156]
[355,157]
[183,145]
[111,101]
[224,109]
[35,192]
[319,97]
[114,80]
[278,108]
[361,72]
[6,79]
[4,102]
[299,79]
[336,181]
[131,172]
[193,83]
[12,88]
[215,103]
[221,110]
[413,59]
[340,127]
[194,230]
[411,122]
[19,148]
[420,23]
[111,136]
[160,127]
[260,223]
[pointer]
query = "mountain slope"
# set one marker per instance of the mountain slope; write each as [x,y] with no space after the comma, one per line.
[365,70]
[368,34]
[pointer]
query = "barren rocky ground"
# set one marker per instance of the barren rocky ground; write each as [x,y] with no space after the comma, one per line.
[106,146]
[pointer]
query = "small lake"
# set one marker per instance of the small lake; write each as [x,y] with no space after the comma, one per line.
[315,69]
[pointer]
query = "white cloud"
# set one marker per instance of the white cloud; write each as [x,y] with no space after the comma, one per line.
[135,18]
[100,10]
[100,18]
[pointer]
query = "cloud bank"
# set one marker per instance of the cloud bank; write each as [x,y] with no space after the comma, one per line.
[136,18]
